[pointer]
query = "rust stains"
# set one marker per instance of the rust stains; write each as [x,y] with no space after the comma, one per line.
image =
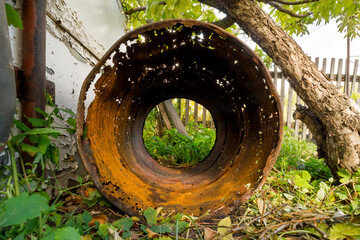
[187,59]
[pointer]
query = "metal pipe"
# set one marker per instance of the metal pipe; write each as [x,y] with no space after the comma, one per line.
[7,80]
[33,62]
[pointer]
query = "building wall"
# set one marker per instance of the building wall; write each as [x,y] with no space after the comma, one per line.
[78,34]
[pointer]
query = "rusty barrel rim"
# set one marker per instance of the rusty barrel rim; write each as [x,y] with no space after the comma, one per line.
[189,190]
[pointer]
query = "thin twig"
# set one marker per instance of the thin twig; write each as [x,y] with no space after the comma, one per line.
[300,221]
[266,214]
[263,207]
[24,172]
[241,227]
[327,195]
[139,9]
[243,217]
[313,225]
[287,11]
[290,3]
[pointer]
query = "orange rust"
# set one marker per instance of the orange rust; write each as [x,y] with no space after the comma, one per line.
[201,62]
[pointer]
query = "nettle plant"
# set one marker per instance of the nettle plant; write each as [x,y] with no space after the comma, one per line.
[24,207]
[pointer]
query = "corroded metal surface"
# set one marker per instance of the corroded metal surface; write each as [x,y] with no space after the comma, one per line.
[187,59]
[33,58]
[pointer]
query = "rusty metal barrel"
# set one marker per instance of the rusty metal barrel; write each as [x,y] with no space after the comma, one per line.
[179,59]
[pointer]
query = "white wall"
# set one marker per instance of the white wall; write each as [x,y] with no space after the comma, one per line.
[87,29]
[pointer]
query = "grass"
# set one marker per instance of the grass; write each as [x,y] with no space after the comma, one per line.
[173,148]
[299,200]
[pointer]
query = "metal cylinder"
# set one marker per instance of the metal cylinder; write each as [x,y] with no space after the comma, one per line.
[179,59]
[7,80]
[33,58]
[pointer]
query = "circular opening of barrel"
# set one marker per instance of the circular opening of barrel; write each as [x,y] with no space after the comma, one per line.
[179,133]
[179,59]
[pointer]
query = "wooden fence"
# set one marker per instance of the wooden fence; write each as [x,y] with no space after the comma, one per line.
[334,70]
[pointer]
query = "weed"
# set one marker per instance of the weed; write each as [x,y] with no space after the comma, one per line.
[300,155]
[179,149]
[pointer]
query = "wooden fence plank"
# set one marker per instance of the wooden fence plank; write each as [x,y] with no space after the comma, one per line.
[297,122]
[356,66]
[332,70]
[282,92]
[275,75]
[339,72]
[323,69]
[204,116]
[289,107]
[196,113]
[179,107]
[187,111]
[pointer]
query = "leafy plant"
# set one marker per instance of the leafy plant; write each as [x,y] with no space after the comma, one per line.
[25,211]
[300,155]
[13,17]
[179,149]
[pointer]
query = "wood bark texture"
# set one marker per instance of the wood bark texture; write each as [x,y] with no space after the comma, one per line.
[338,115]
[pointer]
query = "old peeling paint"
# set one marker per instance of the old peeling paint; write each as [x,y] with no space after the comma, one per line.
[64,24]
[189,59]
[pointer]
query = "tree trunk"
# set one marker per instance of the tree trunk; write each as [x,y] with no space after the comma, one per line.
[337,114]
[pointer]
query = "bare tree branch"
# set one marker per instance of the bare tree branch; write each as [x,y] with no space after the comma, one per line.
[225,22]
[289,3]
[139,9]
[134,10]
[287,11]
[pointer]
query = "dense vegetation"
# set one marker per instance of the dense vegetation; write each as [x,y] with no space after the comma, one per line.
[299,199]
[175,148]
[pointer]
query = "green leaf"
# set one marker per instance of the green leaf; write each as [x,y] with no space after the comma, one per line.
[151,216]
[344,230]
[103,231]
[161,229]
[67,233]
[354,205]
[42,112]
[86,217]
[67,111]
[344,174]
[355,96]
[20,125]
[288,196]
[44,142]
[182,225]
[223,225]
[13,17]
[37,122]
[55,155]
[302,182]
[42,131]
[306,175]
[30,149]
[71,122]
[123,224]
[18,209]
